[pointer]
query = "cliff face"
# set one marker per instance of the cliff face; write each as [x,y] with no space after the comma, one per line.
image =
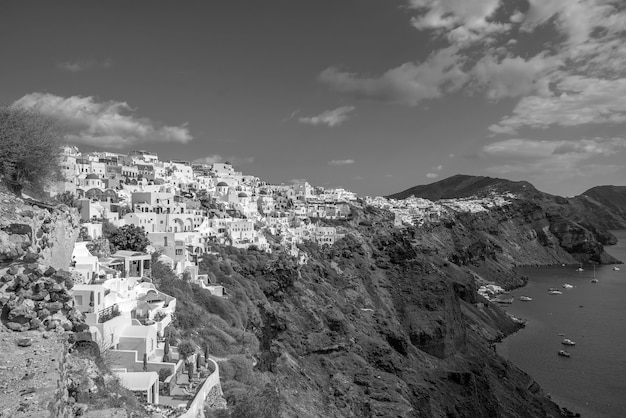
[387,322]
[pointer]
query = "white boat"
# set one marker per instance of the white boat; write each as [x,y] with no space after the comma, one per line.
[563,353]
[580,268]
[567,286]
[594,280]
[555,292]
[567,341]
[616,268]
[525,298]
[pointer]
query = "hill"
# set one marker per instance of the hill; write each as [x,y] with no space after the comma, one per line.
[607,199]
[461,185]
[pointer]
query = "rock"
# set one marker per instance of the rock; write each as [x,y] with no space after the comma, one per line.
[25,342]
[30,257]
[14,326]
[36,323]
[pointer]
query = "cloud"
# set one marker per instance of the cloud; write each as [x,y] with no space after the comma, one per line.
[357,178]
[298,181]
[407,84]
[555,158]
[330,118]
[439,167]
[103,124]
[432,175]
[388,176]
[83,65]
[340,162]
[514,76]
[210,159]
[582,100]
[461,20]
[216,158]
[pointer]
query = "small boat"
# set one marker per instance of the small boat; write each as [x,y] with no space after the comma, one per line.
[563,353]
[567,341]
[616,268]
[567,286]
[525,298]
[561,334]
[508,301]
[594,280]
[555,292]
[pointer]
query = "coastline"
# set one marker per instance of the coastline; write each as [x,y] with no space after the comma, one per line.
[567,400]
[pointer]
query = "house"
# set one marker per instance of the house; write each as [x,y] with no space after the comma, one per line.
[132,263]
[145,385]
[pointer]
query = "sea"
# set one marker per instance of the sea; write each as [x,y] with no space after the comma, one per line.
[592,381]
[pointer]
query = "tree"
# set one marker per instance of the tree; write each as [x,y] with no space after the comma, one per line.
[185,349]
[66,198]
[129,237]
[30,149]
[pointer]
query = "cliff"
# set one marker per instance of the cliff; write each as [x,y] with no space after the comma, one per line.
[387,322]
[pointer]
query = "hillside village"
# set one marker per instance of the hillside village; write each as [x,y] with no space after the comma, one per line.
[186,209]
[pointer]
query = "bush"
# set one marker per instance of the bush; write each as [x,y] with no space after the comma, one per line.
[129,237]
[30,149]
[164,373]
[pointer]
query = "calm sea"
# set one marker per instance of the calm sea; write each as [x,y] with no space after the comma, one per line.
[593,380]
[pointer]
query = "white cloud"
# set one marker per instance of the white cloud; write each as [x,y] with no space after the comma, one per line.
[298,181]
[107,124]
[461,20]
[341,162]
[83,65]
[554,158]
[408,84]
[330,118]
[514,76]
[216,158]
[210,159]
[582,100]
[439,167]
[388,176]
[432,175]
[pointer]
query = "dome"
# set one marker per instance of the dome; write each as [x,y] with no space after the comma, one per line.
[222,184]
[92,177]
[242,194]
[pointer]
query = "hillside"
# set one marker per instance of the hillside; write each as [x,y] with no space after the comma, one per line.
[608,202]
[387,322]
[597,210]
[462,185]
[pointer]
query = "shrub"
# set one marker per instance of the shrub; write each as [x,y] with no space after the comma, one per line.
[30,149]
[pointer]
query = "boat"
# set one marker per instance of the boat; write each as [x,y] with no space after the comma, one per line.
[505,301]
[563,353]
[525,298]
[580,268]
[550,289]
[555,292]
[567,341]
[616,268]
[567,286]
[594,280]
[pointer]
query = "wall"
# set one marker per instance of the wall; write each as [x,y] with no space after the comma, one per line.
[196,409]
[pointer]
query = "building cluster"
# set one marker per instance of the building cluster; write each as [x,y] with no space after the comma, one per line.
[417,211]
[186,207]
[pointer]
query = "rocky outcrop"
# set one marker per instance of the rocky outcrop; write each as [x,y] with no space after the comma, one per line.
[34,296]
[26,228]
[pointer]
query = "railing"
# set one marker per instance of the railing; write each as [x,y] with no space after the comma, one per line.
[108,313]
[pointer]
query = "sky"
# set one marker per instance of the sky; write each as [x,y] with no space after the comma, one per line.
[372,95]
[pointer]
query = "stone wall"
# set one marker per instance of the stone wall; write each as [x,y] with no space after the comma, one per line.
[47,232]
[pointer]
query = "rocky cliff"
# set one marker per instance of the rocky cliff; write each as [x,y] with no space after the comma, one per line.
[387,322]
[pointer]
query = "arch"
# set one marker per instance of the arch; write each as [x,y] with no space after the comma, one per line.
[178,225]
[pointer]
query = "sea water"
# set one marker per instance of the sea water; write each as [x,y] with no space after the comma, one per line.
[593,380]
